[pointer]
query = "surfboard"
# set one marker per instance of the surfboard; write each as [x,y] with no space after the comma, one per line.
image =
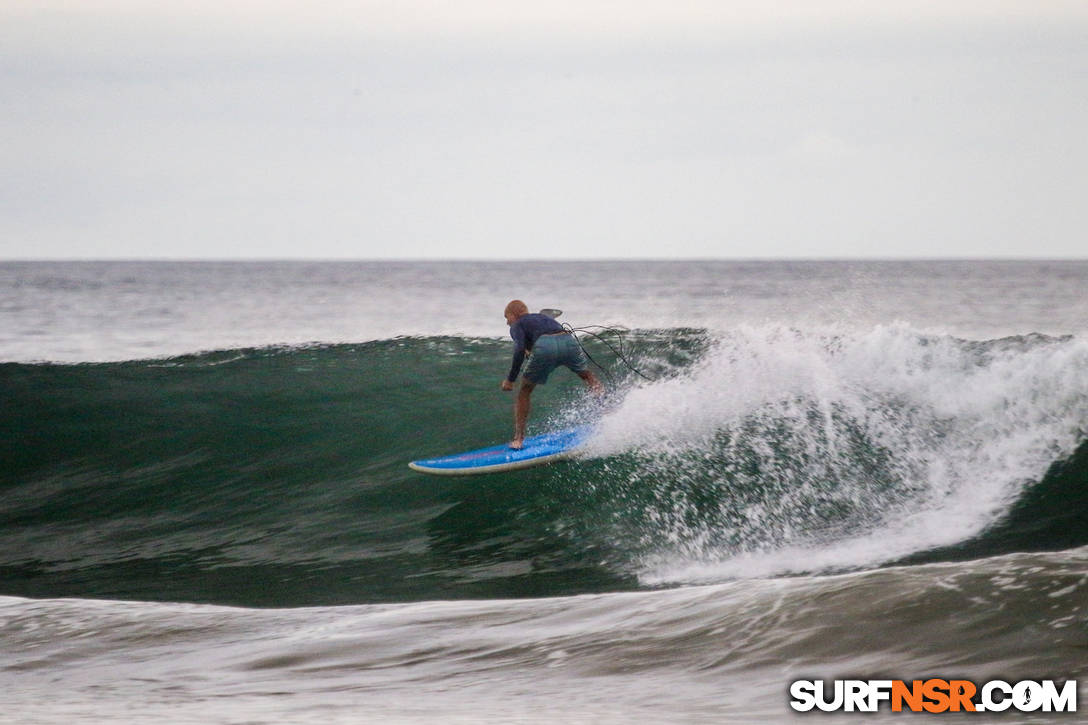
[537,451]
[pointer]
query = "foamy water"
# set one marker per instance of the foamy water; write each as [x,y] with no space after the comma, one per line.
[959,426]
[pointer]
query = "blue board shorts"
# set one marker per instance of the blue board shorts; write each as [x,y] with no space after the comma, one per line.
[551,351]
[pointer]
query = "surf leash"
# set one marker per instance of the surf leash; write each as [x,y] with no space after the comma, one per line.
[618,353]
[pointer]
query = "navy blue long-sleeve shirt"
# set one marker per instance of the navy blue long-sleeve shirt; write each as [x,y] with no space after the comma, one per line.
[524,333]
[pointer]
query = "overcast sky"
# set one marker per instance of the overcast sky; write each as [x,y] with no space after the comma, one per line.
[509,130]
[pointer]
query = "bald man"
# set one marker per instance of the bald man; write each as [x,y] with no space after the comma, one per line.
[550,346]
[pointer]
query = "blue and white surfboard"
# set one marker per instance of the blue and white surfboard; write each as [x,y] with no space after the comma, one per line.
[538,450]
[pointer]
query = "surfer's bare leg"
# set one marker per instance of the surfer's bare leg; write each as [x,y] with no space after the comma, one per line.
[521,413]
[592,381]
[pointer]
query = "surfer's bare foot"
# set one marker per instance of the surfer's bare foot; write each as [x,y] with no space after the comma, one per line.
[517,443]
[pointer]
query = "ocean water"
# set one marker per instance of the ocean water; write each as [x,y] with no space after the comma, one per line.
[801,470]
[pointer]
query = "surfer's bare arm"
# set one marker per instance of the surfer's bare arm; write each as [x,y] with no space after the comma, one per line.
[507,385]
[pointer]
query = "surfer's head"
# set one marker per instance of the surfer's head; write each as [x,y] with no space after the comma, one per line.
[514,310]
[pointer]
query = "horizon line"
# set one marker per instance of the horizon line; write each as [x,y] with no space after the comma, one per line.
[534,260]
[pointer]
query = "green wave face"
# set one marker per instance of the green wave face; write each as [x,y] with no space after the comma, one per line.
[278,476]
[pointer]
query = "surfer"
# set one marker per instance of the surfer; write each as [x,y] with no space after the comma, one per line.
[549,346]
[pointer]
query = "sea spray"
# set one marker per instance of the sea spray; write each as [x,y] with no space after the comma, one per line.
[785,451]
